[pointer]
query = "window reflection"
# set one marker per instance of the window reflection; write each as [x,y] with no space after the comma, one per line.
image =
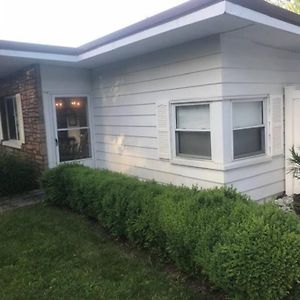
[72,128]
[71,112]
[73,144]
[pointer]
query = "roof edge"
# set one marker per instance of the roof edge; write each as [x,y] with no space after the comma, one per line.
[32,47]
[270,10]
[158,19]
[186,8]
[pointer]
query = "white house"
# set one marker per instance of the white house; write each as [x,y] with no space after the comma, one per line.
[202,94]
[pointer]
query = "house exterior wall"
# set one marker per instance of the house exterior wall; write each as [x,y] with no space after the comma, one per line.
[61,81]
[125,97]
[124,109]
[254,69]
[27,83]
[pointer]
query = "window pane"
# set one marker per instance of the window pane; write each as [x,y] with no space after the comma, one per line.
[193,117]
[71,112]
[74,144]
[247,114]
[11,115]
[249,142]
[194,143]
[3,119]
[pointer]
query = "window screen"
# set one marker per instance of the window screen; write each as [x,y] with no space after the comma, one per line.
[193,131]
[248,129]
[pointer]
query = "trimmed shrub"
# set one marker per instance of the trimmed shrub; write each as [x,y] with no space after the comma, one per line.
[17,175]
[249,250]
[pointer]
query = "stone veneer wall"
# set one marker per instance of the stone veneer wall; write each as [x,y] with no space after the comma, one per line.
[27,82]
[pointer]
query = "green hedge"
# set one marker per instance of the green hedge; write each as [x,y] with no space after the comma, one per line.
[249,250]
[17,175]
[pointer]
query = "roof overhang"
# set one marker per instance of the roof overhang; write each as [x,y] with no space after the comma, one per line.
[253,19]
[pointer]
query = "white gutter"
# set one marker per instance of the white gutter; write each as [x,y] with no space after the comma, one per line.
[39,55]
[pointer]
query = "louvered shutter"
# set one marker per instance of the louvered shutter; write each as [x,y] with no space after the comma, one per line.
[163,126]
[276,125]
[20,118]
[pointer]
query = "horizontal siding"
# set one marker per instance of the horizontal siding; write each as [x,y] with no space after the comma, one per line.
[141,131]
[266,191]
[150,174]
[159,174]
[258,180]
[188,80]
[252,69]
[133,141]
[127,110]
[140,120]
[177,69]
[249,68]
[191,92]
[234,175]
[124,109]
[163,166]
[166,57]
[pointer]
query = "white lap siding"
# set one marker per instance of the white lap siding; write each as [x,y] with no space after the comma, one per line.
[253,69]
[125,95]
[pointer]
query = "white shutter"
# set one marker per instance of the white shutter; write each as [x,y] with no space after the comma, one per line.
[163,126]
[276,124]
[20,118]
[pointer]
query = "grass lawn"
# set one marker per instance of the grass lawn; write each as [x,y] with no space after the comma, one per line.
[47,253]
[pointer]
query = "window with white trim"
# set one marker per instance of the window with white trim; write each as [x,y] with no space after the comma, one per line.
[73,131]
[11,121]
[192,130]
[249,130]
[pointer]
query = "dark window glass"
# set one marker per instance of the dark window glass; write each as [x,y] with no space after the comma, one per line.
[4,120]
[10,106]
[71,112]
[249,142]
[73,144]
[9,120]
[194,143]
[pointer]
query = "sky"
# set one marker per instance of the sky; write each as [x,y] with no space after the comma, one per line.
[72,22]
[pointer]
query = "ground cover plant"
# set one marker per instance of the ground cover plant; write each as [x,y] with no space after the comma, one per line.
[249,250]
[48,253]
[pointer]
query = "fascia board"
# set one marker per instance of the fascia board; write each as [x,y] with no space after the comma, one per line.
[40,56]
[195,17]
[260,18]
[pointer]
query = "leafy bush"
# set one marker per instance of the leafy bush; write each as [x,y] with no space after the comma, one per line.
[249,250]
[17,175]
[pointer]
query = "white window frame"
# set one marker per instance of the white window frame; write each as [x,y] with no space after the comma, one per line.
[15,143]
[264,125]
[174,130]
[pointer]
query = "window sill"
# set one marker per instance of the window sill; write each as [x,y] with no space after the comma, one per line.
[206,164]
[12,143]
[197,163]
[76,161]
[249,161]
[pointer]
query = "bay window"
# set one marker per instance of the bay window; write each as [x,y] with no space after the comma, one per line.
[248,128]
